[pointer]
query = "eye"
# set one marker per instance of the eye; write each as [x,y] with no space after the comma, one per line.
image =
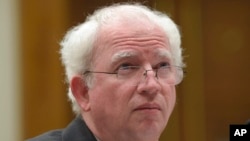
[162,65]
[127,70]
[125,66]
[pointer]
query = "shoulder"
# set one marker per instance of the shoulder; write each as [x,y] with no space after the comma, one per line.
[54,135]
[76,130]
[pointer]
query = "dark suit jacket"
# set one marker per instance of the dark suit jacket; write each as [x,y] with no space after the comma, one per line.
[77,130]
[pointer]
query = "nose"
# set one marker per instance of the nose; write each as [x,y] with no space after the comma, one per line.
[149,85]
[146,73]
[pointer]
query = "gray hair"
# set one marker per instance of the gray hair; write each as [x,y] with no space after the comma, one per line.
[77,45]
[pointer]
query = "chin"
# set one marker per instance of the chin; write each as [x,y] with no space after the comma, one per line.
[152,129]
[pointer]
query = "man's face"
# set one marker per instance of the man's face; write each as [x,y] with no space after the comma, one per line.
[120,110]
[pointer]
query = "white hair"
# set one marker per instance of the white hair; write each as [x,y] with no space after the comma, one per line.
[77,46]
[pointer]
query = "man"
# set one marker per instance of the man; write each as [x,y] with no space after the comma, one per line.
[122,65]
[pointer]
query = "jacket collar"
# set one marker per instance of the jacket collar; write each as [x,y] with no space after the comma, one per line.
[77,130]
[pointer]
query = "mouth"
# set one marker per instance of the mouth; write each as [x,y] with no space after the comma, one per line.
[148,107]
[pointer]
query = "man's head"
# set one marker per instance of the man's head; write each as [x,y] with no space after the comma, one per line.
[122,65]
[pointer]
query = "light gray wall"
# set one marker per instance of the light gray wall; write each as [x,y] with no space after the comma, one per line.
[10,96]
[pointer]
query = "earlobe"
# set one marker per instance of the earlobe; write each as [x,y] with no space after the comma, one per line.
[80,92]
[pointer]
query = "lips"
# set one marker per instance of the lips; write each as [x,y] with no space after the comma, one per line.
[148,106]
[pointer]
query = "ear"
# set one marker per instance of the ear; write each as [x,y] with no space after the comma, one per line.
[80,92]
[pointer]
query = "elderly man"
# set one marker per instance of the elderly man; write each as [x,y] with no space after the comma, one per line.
[122,65]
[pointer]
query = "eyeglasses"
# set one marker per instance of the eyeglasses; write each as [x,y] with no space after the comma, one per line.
[134,75]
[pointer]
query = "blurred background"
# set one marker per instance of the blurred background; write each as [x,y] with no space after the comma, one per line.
[214,94]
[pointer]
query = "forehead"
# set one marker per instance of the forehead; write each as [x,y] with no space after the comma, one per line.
[123,27]
[116,37]
[123,54]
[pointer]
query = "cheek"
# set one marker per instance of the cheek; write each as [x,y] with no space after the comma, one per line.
[109,96]
[172,94]
[109,102]
[169,94]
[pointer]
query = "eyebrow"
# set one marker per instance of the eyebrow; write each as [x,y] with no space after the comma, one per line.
[123,54]
[162,53]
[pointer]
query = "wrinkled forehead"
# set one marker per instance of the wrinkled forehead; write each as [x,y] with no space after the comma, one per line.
[157,53]
[128,28]
[115,32]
